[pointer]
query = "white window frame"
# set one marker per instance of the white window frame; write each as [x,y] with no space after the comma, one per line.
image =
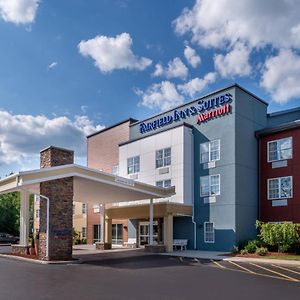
[84,208]
[163,157]
[209,184]
[163,183]
[278,140]
[85,232]
[209,151]
[136,166]
[279,185]
[204,229]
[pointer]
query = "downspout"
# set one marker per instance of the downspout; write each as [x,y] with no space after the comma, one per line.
[193,194]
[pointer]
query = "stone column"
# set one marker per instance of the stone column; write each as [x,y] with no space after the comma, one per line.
[108,229]
[168,232]
[60,194]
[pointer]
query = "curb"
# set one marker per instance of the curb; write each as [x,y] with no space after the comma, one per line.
[42,262]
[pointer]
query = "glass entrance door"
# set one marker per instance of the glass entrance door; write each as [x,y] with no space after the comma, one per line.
[117,234]
[97,233]
[144,233]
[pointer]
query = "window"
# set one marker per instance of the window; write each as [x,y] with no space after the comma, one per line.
[210,151]
[133,165]
[210,185]
[164,183]
[163,158]
[280,149]
[73,209]
[83,234]
[209,232]
[115,170]
[280,187]
[84,208]
[96,208]
[37,213]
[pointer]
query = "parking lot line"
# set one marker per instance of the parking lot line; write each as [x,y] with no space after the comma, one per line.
[216,263]
[243,268]
[272,271]
[289,270]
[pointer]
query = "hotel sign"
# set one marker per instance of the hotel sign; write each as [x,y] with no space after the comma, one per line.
[205,110]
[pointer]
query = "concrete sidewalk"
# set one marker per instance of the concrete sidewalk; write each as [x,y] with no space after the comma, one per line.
[198,254]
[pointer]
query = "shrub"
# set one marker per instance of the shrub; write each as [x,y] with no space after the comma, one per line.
[235,250]
[283,235]
[262,251]
[251,246]
[244,251]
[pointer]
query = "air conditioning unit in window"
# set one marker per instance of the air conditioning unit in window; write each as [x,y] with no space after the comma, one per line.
[165,170]
[134,176]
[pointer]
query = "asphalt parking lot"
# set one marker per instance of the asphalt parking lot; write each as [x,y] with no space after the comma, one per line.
[131,275]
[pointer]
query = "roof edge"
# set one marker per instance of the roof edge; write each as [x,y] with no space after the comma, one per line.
[130,120]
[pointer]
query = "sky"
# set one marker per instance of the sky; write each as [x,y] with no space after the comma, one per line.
[70,68]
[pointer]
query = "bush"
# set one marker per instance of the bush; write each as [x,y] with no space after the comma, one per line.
[235,250]
[244,251]
[283,235]
[251,246]
[262,251]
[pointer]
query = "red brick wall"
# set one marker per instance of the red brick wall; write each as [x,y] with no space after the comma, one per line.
[102,154]
[291,212]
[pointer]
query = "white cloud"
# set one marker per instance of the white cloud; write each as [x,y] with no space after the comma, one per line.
[175,69]
[215,23]
[281,76]
[112,53]
[234,63]
[23,136]
[191,56]
[18,11]
[197,85]
[162,95]
[53,65]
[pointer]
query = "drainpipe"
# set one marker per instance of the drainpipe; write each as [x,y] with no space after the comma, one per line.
[193,187]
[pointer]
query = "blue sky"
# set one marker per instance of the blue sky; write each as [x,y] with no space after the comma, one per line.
[69,68]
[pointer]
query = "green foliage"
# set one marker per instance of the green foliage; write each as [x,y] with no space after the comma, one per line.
[76,237]
[262,251]
[251,246]
[235,250]
[244,251]
[283,235]
[10,213]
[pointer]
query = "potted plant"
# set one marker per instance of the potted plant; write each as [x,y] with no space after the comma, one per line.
[32,249]
[37,242]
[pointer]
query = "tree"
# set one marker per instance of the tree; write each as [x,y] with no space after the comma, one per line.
[283,235]
[10,213]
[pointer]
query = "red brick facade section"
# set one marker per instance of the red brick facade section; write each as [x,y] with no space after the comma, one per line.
[291,212]
[103,154]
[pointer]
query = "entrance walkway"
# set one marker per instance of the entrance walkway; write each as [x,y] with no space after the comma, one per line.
[198,254]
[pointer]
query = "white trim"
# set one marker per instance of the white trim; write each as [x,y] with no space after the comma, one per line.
[209,151]
[204,227]
[279,178]
[209,181]
[268,146]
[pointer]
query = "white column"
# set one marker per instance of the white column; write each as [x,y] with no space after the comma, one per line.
[102,222]
[24,217]
[151,222]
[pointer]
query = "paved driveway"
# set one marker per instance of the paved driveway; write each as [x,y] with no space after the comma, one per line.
[132,275]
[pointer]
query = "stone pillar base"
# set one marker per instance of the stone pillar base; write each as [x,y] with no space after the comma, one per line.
[155,248]
[19,249]
[103,246]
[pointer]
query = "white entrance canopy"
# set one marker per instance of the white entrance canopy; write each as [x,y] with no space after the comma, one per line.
[90,185]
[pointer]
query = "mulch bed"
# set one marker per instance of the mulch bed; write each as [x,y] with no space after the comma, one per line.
[254,255]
